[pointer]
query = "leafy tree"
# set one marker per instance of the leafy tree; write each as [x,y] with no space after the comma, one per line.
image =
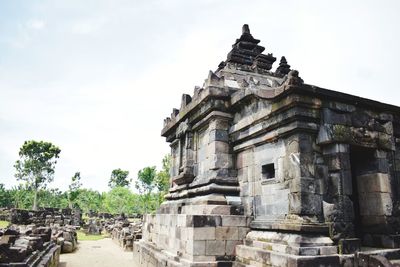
[89,200]
[5,197]
[21,196]
[145,183]
[53,198]
[119,178]
[74,187]
[162,178]
[119,200]
[36,165]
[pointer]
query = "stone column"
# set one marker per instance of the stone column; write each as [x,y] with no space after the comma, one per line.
[339,191]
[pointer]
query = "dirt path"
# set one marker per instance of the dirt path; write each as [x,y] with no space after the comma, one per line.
[101,253]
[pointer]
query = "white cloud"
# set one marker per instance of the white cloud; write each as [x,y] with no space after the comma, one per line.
[36,24]
[87,25]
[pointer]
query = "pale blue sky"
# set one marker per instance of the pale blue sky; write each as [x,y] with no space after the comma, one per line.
[98,77]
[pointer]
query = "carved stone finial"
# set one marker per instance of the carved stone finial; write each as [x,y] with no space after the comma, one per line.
[263,62]
[214,80]
[174,113]
[293,78]
[246,52]
[186,99]
[245,29]
[283,68]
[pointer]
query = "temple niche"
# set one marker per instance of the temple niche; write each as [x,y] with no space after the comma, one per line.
[270,171]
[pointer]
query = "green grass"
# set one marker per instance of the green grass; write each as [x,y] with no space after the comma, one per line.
[4,224]
[84,237]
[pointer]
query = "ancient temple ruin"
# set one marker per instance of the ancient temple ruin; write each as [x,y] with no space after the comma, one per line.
[270,171]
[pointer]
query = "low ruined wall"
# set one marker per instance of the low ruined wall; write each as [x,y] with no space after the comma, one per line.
[28,247]
[46,217]
[125,233]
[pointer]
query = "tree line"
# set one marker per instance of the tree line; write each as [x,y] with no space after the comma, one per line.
[35,168]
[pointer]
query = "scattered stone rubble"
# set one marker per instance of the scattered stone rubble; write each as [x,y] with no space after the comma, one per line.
[28,246]
[124,232]
[46,217]
[270,171]
[4,214]
[36,238]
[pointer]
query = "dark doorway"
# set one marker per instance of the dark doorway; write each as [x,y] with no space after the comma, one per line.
[361,162]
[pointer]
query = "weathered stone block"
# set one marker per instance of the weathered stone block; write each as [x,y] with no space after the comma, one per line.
[336,148]
[218,135]
[230,248]
[206,221]
[218,147]
[302,184]
[375,182]
[305,203]
[227,233]
[220,161]
[234,220]
[204,233]
[375,204]
[349,246]
[215,247]
[199,247]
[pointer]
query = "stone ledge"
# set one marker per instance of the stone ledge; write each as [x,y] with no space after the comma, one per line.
[290,226]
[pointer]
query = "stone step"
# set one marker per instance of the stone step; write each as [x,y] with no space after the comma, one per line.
[296,250]
[395,262]
[253,256]
[379,257]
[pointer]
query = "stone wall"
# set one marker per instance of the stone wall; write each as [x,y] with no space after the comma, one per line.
[198,240]
[28,247]
[313,172]
[124,232]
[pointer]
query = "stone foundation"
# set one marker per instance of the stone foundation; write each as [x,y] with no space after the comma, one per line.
[268,248]
[207,235]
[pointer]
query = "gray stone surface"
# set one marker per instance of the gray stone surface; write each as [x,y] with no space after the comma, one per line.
[311,166]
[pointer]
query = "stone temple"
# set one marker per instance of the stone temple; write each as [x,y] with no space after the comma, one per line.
[270,171]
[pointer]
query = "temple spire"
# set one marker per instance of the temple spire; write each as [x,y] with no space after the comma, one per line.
[246,52]
[245,29]
[283,68]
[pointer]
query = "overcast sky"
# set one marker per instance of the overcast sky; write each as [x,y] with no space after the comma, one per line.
[97,78]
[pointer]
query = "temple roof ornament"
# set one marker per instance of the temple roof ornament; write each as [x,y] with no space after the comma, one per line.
[283,68]
[246,51]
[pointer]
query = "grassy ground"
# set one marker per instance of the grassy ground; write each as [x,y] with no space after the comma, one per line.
[3,224]
[84,237]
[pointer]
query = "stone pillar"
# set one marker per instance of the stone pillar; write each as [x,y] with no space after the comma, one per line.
[305,198]
[377,203]
[338,205]
[202,220]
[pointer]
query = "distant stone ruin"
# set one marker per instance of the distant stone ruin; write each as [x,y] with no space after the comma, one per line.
[124,232]
[270,171]
[36,238]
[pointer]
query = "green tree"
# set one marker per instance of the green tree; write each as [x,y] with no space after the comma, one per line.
[119,200]
[22,196]
[162,178]
[5,197]
[53,198]
[145,183]
[89,200]
[36,165]
[74,187]
[119,178]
